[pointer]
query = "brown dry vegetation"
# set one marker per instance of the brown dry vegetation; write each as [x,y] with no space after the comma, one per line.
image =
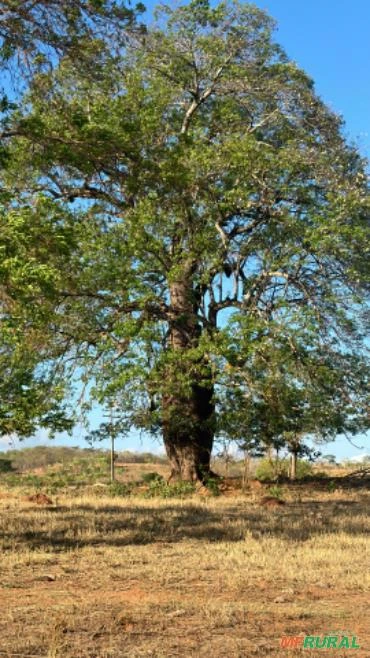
[109,577]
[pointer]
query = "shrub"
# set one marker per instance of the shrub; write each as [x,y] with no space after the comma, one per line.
[120,489]
[268,470]
[271,469]
[161,489]
[275,491]
[304,469]
[331,486]
[5,465]
[213,487]
[152,477]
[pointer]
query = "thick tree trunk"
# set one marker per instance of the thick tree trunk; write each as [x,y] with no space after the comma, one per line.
[188,434]
[187,404]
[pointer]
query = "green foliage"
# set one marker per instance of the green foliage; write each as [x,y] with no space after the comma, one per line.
[276,492]
[213,485]
[62,468]
[5,465]
[330,459]
[29,481]
[159,488]
[120,489]
[42,456]
[34,240]
[188,219]
[270,470]
[43,30]
[152,477]
[331,486]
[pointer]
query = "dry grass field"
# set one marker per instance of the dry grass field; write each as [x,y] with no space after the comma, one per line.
[95,576]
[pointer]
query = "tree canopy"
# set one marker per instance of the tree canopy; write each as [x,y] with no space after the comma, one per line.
[29,28]
[218,228]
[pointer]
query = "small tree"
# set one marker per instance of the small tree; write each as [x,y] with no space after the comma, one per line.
[251,448]
[330,459]
[281,396]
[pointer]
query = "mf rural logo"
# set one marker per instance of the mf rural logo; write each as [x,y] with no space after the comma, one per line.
[319,642]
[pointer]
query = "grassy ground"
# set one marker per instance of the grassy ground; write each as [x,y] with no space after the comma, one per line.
[96,576]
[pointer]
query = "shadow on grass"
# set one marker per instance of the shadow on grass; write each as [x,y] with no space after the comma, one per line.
[326,483]
[114,525]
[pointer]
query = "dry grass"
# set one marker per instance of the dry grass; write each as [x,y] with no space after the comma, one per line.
[111,577]
[134,472]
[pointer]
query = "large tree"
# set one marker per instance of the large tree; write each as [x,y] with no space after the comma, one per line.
[211,186]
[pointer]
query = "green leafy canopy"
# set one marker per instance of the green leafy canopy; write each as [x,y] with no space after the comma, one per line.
[220,223]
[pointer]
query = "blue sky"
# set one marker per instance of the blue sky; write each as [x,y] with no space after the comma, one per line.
[329,39]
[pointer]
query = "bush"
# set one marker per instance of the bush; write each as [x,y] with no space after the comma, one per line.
[331,486]
[161,489]
[5,465]
[213,487]
[275,491]
[152,477]
[304,469]
[120,489]
[270,470]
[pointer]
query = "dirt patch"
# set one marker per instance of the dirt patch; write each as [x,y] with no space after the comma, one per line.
[39,499]
[271,501]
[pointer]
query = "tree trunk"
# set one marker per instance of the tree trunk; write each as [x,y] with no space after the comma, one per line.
[188,434]
[187,403]
[246,471]
[293,466]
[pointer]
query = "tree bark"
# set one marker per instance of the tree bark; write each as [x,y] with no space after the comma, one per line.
[247,470]
[188,434]
[293,466]
[187,403]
